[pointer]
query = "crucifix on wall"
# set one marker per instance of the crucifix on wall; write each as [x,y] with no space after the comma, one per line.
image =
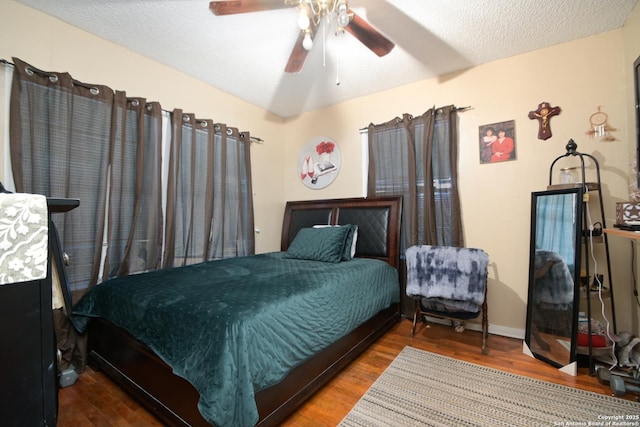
[543,114]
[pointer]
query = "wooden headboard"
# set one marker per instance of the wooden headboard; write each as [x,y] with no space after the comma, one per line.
[377,218]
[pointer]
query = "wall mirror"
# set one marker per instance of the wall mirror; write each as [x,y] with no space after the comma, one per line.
[554,274]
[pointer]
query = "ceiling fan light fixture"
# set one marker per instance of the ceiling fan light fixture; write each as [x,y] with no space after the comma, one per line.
[343,17]
[303,18]
[307,42]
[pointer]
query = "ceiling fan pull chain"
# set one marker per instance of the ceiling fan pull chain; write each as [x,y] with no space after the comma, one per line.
[339,52]
[338,67]
[324,42]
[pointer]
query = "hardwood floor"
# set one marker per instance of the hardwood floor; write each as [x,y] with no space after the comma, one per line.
[95,401]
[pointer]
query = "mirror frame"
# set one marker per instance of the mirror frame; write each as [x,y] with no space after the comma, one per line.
[578,192]
[636,79]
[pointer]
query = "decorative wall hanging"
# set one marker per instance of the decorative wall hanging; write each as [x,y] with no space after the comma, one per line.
[600,128]
[543,114]
[497,142]
[319,162]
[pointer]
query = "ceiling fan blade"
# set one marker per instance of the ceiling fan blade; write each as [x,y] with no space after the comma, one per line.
[369,36]
[298,56]
[233,7]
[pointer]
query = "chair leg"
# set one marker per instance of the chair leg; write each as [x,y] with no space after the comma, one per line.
[416,314]
[485,326]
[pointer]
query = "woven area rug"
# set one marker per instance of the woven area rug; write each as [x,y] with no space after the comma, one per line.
[425,389]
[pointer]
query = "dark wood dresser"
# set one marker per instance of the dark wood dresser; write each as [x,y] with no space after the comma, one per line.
[28,377]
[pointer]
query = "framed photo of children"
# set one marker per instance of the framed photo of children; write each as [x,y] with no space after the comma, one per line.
[497,142]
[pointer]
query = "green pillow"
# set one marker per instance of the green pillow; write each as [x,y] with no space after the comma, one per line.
[319,244]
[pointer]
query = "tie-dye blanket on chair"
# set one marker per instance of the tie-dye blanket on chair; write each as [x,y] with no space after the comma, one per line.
[450,277]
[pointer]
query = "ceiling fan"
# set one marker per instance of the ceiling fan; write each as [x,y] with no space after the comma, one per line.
[311,13]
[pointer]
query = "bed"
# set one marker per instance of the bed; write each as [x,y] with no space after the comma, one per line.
[262,394]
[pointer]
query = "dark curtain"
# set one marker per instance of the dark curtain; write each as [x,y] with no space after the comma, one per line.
[135,196]
[60,138]
[213,160]
[232,232]
[76,140]
[416,157]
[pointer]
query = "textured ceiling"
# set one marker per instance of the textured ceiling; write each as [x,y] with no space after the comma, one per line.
[245,55]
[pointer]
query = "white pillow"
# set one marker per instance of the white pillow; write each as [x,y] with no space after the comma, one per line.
[354,238]
[353,241]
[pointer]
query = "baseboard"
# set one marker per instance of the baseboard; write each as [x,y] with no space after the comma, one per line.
[505,331]
[493,329]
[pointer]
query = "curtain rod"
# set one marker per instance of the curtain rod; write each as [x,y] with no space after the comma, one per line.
[455,109]
[4,61]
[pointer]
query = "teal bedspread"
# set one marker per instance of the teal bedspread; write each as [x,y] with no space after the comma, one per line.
[235,326]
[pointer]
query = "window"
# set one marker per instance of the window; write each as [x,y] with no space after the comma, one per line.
[403,156]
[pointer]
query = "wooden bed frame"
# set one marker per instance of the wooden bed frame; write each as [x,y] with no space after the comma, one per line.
[141,373]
